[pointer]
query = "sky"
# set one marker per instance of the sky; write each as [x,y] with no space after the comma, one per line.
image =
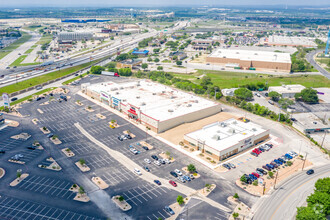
[153,3]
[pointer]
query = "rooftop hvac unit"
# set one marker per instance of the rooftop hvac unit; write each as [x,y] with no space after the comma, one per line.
[163,91]
[137,97]
[188,105]
[218,131]
[117,93]
[223,124]
[121,88]
[235,122]
[143,103]
[255,53]
[172,97]
[170,110]
[196,101]
[216,137]
[138,83]
[154,93]
[124,100]
[254,129]
[237,52]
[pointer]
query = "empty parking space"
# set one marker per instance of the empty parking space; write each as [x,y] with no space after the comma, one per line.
[9,144]
[82,148]
[49,186]
[72,136]
[117,175]
[11,208]
[99,161]
[6,130]
[30,155]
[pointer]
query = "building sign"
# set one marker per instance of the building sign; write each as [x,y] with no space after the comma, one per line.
[105,96]
[132,111]
[247,141]
[6,101]
[115,101]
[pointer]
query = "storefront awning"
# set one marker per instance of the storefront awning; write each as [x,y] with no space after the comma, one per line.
[132,112]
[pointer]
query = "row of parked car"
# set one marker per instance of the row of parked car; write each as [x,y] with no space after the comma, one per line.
[263,148]
[229,166]
[183,178]
[269,166]
[124,137]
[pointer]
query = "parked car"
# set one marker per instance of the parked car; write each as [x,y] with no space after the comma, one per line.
[169,210]
[147,161]
[167,161]
[274,164]
[187,178]
[144,147]
[232,165]
[191,176]
[31,147]
[172,183]
[182,179]
[280,159]
[254,154]
[162,161]
[310,172]
[248,179]
[128,136]
[270,166]
[255,174]
[262,171]
[266,168]
[146,168]
[154,157]
[261,149]
[269,145]
[157,162]
[134,151]
[226,166]
[253,177]
[120,138]
[2,151]
[288,156]
[271,102]
[50,135]
[178,172]
[284,158]
[38,87]
[278,162]
[137,171]
[174,174]
[13,99]
[157,182]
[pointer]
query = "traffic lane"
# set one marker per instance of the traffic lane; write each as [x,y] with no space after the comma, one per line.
[291,194]
[310,59]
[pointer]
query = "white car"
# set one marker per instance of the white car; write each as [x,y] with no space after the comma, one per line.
[147,160]
[178,172]
[293,154]
[137,171]
[167,161]
[157,162]
[182,179]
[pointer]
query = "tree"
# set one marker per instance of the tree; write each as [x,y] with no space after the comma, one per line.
[243,93]
[235,215]
[18,174]
[121,198]
[289,163]
[308,95]
[285,103]
[149,59]
[159,68]
[156,60]
[236,196]
[82,162]
[156,50]
[304,213]
[271,174]
[97,69]
[144,66]
[179,62]
[81,190]
[205,81]
[243,179]
[168,153]
[191,168]
[180,199]
[274,95]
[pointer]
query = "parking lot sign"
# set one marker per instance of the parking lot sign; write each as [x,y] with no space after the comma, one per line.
[6,101]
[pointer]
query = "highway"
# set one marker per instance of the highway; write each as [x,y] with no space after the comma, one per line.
[283,203]
[310,59]
[66,63]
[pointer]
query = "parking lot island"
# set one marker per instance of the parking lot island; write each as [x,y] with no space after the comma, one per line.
[2,172]
[19,179]
[100,182]
[121,203]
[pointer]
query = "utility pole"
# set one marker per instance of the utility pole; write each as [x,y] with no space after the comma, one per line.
[304,162]
[275,180]
[325,133]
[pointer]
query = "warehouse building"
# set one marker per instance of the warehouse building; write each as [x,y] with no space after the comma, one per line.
[226,138]
[287,91]
[255,60]
[156,106]
[276,40]
[74,36]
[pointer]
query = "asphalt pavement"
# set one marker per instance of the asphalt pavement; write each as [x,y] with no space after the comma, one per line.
[310,59]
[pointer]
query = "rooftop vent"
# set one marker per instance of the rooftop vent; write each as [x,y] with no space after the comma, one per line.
[143,103]
[218,131]
[121,88]
[235,122]
[154,93]
[254,129]
[216,137]
[237,52]
[223,124]
[255,53]
[137,97]
[172,97]
[170,110]
[117,93]
[196,101]
[188,105]
[163,91]
[124,100]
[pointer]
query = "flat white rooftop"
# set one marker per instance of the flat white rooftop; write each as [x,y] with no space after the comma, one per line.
[225,134]
[252,55]
[155,100]
[303,41]
[287,88]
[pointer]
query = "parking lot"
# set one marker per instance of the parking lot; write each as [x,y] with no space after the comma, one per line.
[29,155]
[49,186]
[11,208]
[9,144]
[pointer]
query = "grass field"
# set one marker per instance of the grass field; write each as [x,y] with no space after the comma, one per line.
[32,27]
[324,60]
[29,97]
[74,79]
[236,79]
[42,79]
[45,39]
[28,51]
[25,37]
[18,62]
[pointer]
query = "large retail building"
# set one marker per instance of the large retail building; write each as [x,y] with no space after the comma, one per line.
[220,140]
[247,59]
[154,105]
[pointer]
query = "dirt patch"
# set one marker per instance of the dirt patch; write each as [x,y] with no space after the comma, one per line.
[268,183]
[68,152]
[45,103]
[100,183]
[40,111]
[242,209]
[89,109]
[53,166]
[79,103]
[143,143]
[38,145]
[56,141]
[128,132]
[220,169]
[16,181]
[175,135]
[199,59]
[81,197]
[83,168]
[207,189]
[123,205]
[207,158]
[196,175]
[165,156]
[45,131]
[14,124]
[21,136]
[35,121]
[100,116]
[2,172]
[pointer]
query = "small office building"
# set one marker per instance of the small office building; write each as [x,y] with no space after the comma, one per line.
[287,91]
[223,139]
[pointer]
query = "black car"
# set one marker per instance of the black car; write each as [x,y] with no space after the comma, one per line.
[310,172]
[266,167]
[63,97]
[154,157]
[247,179]
[174,174]
[226,166]
[254,154]
[146,168]
[146,148]
[2,151]
[51,94]
[31,147]
[13,99]
[37,99]
[128,136]
[120,138]
[262,171]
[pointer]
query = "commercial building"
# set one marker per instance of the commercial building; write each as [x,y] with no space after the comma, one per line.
[179,54]
[202,44]
[276,40]
[129,64]
[74,36]
[247,59]
[140,53]
[287,91]
[156,106]
[226,138]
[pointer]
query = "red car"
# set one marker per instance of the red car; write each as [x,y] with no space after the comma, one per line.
[255,174]
[257,151]
[172,183]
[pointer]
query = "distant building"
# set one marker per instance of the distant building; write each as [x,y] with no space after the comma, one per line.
[201,44]
[74,36]
[247,59]
[287,91]
[82,20]
[276,40]
[139,53]
[179,54]
[129,64]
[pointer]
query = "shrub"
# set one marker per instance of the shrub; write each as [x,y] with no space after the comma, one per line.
[289,163]
[255,183]
[180,199]
[236,196]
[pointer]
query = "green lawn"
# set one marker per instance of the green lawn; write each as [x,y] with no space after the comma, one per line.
[4,51]
[29,97]
[32,27]
[28,51]
[18,62]
[45,39]
[42,79]
[74,79]
[234,79]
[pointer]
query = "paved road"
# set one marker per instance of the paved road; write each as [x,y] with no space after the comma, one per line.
[310,59]
[283,203]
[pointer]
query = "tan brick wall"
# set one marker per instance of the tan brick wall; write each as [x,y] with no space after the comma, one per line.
[261,139]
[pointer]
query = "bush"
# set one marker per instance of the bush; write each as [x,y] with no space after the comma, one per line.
[236,196]
[271,174]
[191,168]
[121,198]
[255,183]
[180,199]
[289,163]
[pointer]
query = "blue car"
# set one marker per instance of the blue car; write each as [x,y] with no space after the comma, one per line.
[288,156]
[280,159]
[252,177]
[270,166]
[278,162]
[187,178]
